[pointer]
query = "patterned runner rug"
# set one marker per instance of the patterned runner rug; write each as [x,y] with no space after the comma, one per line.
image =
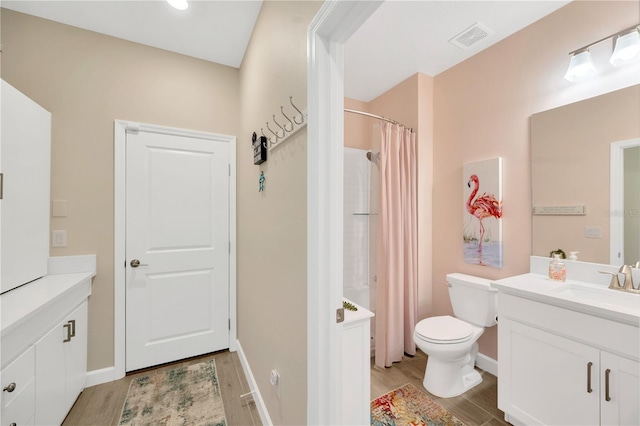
[187,395]
[408,405]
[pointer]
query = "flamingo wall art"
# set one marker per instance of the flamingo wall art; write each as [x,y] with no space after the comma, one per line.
[482,223]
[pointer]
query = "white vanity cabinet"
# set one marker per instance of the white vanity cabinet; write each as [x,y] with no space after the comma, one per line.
[558,366]
[44,343]
[61,366]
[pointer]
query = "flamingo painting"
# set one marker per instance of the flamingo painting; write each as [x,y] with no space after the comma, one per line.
[483,206]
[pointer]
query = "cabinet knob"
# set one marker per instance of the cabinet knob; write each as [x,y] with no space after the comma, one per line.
[10,387]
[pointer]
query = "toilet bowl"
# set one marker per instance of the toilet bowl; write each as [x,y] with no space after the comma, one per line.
[450,342]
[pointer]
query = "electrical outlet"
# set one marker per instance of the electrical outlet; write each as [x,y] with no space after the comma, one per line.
[58,238]
[593,232]
[275,381]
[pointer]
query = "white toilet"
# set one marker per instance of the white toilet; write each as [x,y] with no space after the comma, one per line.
[450,342]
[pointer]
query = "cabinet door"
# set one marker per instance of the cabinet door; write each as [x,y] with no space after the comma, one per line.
[25,154]
[51,377]
[620,390]
[545,379]
[76,355]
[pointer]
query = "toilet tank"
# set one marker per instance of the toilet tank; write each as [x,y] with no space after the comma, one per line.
[473,300]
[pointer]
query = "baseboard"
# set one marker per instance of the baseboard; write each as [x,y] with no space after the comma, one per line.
[253,387]
[98,377]
[487,364]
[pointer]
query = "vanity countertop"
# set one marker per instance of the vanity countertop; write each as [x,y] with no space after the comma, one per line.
[580,296]
[360,314]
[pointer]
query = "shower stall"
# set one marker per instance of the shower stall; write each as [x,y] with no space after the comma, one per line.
[360,228]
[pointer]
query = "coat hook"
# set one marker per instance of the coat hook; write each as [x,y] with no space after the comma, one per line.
[275,134]
[285,124]
[284,132]
[268,142]
[296,108]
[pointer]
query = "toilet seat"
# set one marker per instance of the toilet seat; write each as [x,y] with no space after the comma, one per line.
[444,329]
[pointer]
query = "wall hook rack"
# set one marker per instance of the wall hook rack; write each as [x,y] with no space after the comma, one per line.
[283,131]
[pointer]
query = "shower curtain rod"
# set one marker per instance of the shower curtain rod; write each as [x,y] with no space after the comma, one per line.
[379,117]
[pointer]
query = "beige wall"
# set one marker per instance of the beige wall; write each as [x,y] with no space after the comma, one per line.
[482,110]
[570,148]
[87,80]
[272,225]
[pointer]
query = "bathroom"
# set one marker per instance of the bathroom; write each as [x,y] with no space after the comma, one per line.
[495,123]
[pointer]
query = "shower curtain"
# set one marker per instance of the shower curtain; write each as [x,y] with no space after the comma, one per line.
[396,301]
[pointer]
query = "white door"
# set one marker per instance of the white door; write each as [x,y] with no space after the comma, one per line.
[177,229]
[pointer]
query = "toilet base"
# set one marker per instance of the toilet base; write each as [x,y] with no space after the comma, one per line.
[447,379]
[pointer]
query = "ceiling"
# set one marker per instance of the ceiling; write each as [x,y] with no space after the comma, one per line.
[399,39]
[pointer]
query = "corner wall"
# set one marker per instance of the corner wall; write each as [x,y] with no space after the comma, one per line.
[272,225]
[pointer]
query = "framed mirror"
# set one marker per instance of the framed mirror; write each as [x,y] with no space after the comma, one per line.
[581,202]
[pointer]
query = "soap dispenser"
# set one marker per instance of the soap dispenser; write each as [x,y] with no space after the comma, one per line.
[557,270]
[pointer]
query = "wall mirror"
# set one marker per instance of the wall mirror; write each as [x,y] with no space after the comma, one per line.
[585,178]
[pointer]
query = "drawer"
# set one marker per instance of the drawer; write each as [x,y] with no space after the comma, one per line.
[22,407]
[21,372]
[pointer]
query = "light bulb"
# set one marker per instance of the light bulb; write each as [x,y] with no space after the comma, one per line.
[580,66]
[627,48]
[179,4]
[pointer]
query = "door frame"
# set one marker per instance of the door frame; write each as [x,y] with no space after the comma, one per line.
[119,273]
[616,204]
[332,26]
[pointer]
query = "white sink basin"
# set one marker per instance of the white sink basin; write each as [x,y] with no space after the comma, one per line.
[598,295]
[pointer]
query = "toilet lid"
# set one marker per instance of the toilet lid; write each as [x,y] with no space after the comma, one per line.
[444,329]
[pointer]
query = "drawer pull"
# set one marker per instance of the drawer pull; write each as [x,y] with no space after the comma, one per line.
[10,387]
[589,365]
[68,327]
[73,328]
[607,397]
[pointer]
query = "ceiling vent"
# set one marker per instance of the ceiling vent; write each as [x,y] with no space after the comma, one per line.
[471,36]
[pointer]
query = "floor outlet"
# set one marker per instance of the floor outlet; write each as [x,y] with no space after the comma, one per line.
[275,381]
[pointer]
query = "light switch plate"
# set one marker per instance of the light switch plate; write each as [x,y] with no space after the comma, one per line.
[58,238]
[593,232]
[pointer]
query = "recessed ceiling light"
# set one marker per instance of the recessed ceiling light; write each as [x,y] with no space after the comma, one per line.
[179,4]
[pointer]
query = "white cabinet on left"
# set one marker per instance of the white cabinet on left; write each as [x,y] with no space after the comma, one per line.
[61,365]
[25,165]
[18,390]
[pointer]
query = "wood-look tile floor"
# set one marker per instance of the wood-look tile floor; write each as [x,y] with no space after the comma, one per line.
[476,407]
[102,404]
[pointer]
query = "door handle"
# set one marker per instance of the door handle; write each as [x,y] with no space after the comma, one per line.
[135,263]
[73,328]
[607,397]
[589,365]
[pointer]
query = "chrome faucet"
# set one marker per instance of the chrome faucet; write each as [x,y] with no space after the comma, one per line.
[628,279]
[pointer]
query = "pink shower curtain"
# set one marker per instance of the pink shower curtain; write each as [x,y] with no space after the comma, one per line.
[397,269]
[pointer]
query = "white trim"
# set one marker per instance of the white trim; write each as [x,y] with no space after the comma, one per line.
[120,128]
[334,23]
[253,387]
[98,377]
[616,205]
[489,365]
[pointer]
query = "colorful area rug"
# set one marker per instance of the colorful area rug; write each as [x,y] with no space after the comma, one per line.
[408,405]
[188,395]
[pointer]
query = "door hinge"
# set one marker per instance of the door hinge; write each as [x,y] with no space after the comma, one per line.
[1,185]
[339,315]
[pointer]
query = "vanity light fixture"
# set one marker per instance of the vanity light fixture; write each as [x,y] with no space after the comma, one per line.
[626,48]
[179,4]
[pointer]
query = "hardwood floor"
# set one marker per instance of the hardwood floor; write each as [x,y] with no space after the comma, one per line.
[476,407]
[102,404]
